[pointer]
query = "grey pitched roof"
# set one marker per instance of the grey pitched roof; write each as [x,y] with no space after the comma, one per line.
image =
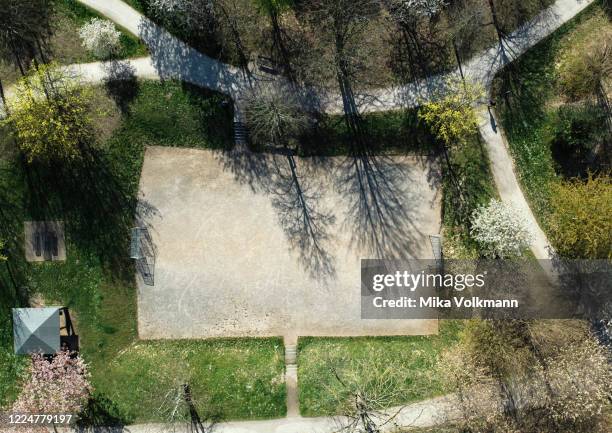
[36,330]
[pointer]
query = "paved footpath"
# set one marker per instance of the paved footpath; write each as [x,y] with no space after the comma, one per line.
[171,58]
[502,167]
[427,413]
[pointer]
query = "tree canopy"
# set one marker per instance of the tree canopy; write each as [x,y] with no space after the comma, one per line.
[50,115]
[450,114]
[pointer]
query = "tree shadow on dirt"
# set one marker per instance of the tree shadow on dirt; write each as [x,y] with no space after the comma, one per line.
[297,199]
[381,215]
[296,192]
[382,209]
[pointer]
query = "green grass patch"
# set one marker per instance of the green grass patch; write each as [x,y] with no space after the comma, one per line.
[390,132]
[467,183]
[178,115]
[532,113]
[235,378]
[417,356]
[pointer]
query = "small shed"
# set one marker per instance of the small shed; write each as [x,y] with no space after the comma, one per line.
[43,330]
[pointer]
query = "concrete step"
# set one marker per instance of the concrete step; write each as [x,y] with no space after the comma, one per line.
[291,370]
[290,355]
[241,133]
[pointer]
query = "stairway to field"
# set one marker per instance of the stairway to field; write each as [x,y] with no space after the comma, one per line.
[241,133]
[291,379]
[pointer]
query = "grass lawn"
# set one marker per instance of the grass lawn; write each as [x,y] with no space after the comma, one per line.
[65,43]
[398,131]
[415,356]
[466,184]
[533,115]
[96,198]
[235,378]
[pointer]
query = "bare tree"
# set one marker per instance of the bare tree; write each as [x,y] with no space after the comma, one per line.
[275,117]
[282,45]
[465,22]
[420,44]
[365,395]
[516,375]
[24,31]
[509,15]
[179,409]
[341,52]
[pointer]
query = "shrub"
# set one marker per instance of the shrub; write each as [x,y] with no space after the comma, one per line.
[580,134]
[585,71]
[50,115]
[274,117]
[450,115]
[580,225]
[500,230]
[100,37]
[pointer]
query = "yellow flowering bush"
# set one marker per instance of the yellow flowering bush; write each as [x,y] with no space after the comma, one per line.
[50,115]
[450,114]
[580,223]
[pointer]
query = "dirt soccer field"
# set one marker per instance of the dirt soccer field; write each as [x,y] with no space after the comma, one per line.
[260,245]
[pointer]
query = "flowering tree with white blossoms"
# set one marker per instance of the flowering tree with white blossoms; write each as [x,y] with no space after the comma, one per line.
[101,37]
[409,10]
[57,386]
[500,230]
[193,14]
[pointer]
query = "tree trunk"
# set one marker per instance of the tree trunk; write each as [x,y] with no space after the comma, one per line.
[244,62]
[3,98]
[18,61]
[496,24]
[277,33]
[41,51]
[458,58]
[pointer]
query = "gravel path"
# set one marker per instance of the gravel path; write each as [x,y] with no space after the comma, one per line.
[426,413]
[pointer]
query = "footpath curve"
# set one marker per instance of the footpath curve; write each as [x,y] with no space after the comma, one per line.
[172,58]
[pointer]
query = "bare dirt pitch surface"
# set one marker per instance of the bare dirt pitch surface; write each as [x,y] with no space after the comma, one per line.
[263,245]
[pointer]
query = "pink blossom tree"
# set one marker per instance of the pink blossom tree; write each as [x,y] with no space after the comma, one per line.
[57,386]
